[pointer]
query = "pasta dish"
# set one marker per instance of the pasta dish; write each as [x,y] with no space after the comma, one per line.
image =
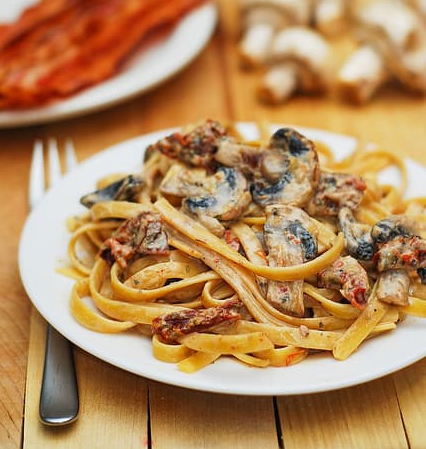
[266,251]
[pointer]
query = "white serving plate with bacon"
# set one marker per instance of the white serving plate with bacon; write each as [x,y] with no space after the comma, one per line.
[145,70]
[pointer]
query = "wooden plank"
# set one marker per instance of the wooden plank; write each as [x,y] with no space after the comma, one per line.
[410,385]
[361,417]
[113,403]
[182,418]
[15,149]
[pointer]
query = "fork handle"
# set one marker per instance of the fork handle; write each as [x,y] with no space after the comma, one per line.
[59,402]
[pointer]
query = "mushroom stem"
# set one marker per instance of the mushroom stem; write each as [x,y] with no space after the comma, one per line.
[255,44]
[397,33]
[279,83]
[262,19]
[330,16]
[361,75]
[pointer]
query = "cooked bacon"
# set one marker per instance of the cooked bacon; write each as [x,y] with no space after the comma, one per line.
[137,236]
[177,324]
[54,51]
[196,148]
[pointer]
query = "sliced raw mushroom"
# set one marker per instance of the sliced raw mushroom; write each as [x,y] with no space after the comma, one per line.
[361,75]
[418,5]
[397,33]
[299,62]
[330,16]
[262,19]
[290,237]
[393,287]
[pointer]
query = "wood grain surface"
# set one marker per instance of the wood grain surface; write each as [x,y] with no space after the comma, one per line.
[120,410]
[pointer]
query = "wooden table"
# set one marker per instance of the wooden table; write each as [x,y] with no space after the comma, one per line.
[120,410]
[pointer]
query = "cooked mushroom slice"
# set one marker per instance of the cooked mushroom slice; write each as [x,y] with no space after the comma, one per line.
[301,50]
[196,147]
[422,275]
[290,239]
[400,39]
[335,191]
[177,324]
[246,157]
[295,178]
[358,241]
[136,237]
[393,287]
[226,200]
[126,189]
[181,181]
[401,252]
[393,226]
[349,277]
[362,74]
[330,16]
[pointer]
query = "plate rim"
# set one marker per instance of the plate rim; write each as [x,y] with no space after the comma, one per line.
[189,380]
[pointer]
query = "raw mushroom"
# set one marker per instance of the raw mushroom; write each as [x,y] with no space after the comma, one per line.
[330,16]
[397,33]
[262,19]
[419,5]
[300,62]
[361,75]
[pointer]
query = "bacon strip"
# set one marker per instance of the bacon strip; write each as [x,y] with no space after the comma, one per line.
[55,50]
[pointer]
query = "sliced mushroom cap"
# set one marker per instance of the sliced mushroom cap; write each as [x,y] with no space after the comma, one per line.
[296,179]
[227,199]
[290,237]
[261,19]
[358,241]
[125,189]
[394,226]
[397,33]
[309,50]
[330,16]
[362,74]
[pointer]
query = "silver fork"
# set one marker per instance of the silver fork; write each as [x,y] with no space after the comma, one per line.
[59,402]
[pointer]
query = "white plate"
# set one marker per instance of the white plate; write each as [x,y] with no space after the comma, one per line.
[145,71]
[44,244]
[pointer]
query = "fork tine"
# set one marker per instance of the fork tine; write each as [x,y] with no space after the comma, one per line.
[36,184]
[70,156]
[54,163]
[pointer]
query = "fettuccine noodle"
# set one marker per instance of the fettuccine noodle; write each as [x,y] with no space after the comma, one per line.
[209,292]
